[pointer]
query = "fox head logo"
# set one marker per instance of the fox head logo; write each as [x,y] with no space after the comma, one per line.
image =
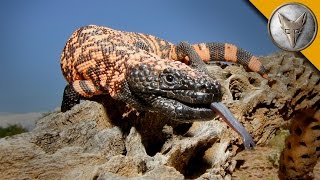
[292,28]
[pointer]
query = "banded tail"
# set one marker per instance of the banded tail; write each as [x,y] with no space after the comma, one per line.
[229,52]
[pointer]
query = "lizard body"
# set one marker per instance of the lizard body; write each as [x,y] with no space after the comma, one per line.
[149,73]
[100,60]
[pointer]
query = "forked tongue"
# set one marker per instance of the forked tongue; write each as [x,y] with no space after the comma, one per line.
[227,116]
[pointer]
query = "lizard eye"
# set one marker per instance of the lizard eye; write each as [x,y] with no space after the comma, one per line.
[169,78]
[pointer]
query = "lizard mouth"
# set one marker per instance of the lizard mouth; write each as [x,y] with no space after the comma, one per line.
[191,112]
[182,111]
[186,105]
[192,98]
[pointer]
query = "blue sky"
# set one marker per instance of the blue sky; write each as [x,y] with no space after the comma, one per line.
[34,32]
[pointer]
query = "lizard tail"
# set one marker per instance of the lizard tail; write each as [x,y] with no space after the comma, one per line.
[229,52]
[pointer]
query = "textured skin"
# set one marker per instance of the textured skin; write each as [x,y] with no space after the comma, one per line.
[146,72]
[302,146]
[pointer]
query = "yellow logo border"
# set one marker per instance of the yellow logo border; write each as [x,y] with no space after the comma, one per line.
[267,7]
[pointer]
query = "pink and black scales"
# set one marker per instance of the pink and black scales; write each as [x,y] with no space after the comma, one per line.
[150,74]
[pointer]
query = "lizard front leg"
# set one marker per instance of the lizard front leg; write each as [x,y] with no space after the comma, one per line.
[70,98]
[87,89]
[73,93]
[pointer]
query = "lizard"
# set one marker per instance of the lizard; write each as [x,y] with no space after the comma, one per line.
[149,73]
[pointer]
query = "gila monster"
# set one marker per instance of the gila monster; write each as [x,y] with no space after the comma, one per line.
[149,73]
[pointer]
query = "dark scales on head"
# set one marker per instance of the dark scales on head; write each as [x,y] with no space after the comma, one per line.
[217,106]
[174,92]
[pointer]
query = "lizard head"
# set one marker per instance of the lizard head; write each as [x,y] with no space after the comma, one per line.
[174,89]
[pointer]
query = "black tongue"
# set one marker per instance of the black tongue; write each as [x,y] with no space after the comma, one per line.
[228,117]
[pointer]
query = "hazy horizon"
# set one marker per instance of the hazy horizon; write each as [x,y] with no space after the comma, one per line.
[26,120]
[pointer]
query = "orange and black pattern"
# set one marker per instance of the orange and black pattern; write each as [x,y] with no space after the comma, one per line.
[96,59]
[229,52]
[93,47]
